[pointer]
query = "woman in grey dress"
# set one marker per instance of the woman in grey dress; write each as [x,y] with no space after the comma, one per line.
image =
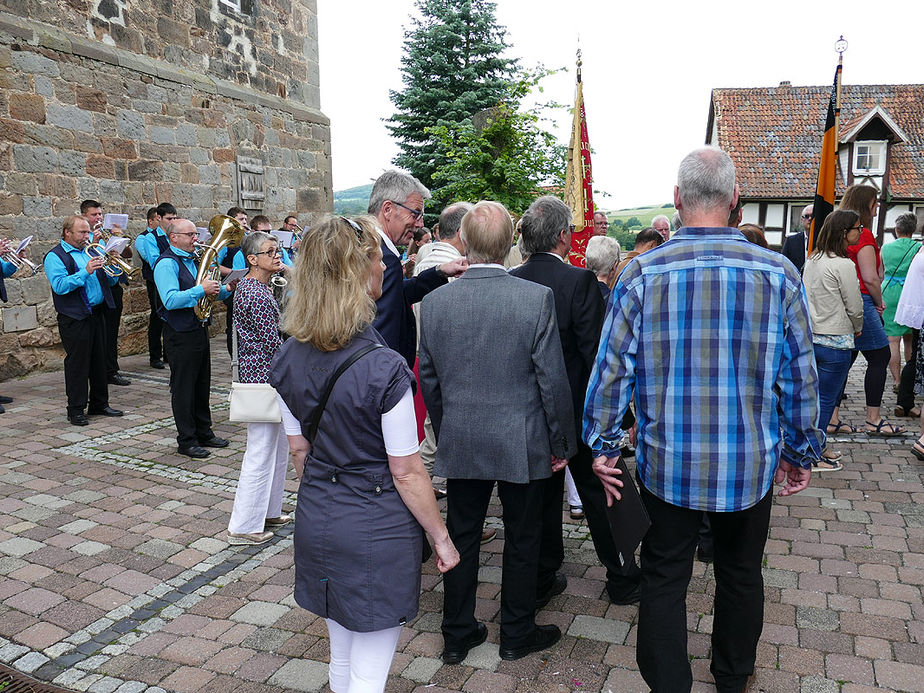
[364,494]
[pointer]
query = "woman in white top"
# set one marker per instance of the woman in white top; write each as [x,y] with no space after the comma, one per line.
[836,308]
[910,313]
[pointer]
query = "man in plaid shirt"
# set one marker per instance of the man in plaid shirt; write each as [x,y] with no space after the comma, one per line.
[712,335]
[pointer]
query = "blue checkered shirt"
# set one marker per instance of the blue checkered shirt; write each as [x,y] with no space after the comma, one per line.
[713,335]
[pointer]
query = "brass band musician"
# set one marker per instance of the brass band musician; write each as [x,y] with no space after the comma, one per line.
[7,269]
[186,339]
[81,291]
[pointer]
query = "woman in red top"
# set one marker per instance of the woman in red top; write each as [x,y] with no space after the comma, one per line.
[873,342]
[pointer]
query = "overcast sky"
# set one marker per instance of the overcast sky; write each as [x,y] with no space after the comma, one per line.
[648,71]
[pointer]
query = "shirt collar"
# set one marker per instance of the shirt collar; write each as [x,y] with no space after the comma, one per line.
[68,247]
[388,242]
[182,253]
[487,264]
[693,232]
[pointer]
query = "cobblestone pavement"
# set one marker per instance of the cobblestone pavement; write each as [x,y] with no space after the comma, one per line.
[114,575]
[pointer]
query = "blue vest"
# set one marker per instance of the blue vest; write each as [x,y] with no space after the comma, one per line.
[75,304]
[182,319]
[162,244]
[2,290]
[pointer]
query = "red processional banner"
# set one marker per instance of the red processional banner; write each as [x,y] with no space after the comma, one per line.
[578,179]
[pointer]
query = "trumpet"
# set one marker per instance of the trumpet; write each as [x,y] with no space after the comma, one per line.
[114,265]
[226,232]
[297,235]
[20,262]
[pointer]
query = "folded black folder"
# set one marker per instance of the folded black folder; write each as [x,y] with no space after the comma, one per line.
[628,518]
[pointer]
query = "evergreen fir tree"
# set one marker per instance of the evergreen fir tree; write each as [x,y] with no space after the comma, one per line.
[452,68]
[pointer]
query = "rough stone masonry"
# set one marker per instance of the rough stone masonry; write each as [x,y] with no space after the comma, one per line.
[202,103]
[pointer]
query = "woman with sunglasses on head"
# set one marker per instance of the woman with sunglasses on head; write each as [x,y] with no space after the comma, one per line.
[873,342]
[258,499]
[837,312]
[364,493]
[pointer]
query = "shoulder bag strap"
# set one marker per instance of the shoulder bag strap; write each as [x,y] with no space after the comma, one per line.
[915,248]
[235,370]
[319,410]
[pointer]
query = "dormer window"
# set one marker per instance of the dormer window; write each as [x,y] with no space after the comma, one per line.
[869,158]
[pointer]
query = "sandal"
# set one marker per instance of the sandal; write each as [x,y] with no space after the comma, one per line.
[877,431]
[917,449]
[912,413]
[834,429]
[832,455]
[827,466]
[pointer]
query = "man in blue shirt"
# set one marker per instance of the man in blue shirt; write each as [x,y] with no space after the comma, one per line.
[149,245]
[7,269]
[81,291]
[712,334]
[187,339]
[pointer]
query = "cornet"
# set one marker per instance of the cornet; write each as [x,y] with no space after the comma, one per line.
[20,262]
[114,265]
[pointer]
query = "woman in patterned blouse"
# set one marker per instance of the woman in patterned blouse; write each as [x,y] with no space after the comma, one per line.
[258,500]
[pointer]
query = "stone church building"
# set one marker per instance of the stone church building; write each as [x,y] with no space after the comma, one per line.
[202,103]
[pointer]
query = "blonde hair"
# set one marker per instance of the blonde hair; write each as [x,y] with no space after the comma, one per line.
[329,302]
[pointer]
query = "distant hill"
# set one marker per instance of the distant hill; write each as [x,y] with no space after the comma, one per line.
[353,200]
[642,215]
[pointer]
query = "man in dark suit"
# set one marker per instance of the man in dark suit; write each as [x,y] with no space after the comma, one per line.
[494,381]
[546,231]
[794,246]
[397,203]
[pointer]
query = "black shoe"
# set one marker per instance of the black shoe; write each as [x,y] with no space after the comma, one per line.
[557,587]
[439,493]
[453,654]
[214,442]
[705,556]
[158,364]
[624,598]
[193,451]
[6,400]
[541,639]
[2,410]
[105,411]
[78,419]
[118,379]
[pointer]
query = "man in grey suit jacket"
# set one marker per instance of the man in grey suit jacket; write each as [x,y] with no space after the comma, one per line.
[493,377]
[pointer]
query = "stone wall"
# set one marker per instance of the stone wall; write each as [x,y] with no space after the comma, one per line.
[134,124]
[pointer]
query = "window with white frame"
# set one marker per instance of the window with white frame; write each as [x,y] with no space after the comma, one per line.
[234,4]
[869,158]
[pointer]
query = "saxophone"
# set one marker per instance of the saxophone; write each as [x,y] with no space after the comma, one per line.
[225,232]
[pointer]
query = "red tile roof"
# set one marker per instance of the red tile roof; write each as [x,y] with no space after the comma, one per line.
[774,135]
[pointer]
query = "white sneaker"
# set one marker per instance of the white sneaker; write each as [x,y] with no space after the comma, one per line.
[249,539]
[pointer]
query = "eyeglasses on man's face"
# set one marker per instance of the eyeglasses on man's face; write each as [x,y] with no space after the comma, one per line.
[415,213]
[806,216]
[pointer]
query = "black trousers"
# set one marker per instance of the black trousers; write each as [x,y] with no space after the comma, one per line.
[113,318]
[229,322]
[667,564]
[621,576]
[190,377]
[906,382]
[85,361]
[155,325]
[467,504]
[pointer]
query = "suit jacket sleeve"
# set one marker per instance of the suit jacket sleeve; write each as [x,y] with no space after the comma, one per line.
[553,382]
[587,311]
[429,384]
[425,282]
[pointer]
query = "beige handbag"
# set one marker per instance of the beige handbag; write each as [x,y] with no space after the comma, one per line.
[250,402]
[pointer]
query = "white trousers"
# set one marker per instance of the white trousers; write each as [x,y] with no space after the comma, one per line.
[359,662]
[573,497]
[263,476]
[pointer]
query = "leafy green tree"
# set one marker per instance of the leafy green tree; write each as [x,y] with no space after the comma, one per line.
[452,68]
[503,154]
[633,221]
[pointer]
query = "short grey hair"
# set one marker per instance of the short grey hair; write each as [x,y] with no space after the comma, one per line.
[660,217]
[253,244]
[451,219]
[395,186]
[545,219]
[602,253]
[906,224]
[706,180]
[487,231]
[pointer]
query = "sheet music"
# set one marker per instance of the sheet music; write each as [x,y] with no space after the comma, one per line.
[120,220]
[116,244]
[285,238]
[23,244]
[204,235]
[234,275]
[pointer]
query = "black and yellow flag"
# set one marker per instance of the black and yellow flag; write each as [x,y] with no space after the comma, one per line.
[827,170]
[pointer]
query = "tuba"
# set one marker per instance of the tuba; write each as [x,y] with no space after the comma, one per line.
[226,232]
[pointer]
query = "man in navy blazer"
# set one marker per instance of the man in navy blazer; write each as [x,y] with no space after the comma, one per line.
[397,203]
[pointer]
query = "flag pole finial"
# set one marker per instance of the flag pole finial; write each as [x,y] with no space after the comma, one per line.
[840,45]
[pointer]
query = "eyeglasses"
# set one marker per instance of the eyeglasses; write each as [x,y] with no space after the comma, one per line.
[357,229]
[416,213]
[854,228]
[571,228]
[806,216]
[185,233]
[271,253]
